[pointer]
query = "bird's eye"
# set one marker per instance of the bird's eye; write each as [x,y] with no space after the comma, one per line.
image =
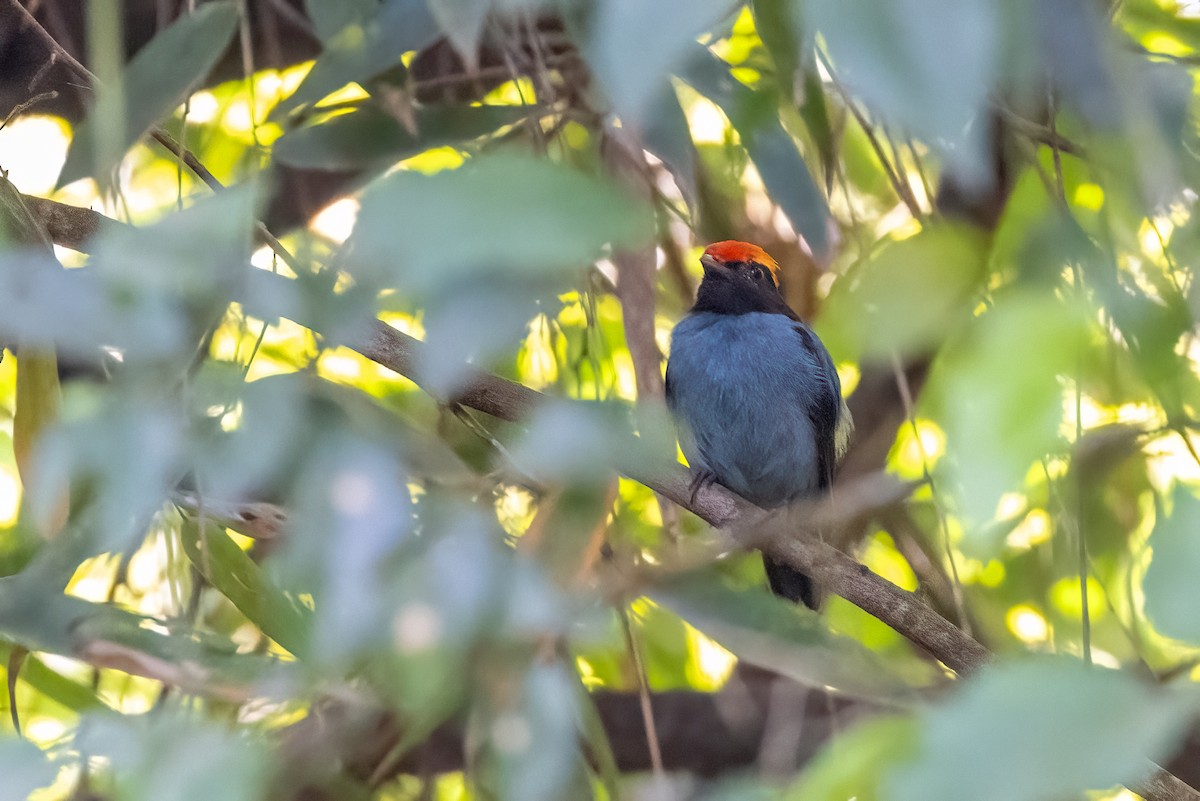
[756,273]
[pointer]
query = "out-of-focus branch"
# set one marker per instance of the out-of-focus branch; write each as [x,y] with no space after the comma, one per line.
[701,733]
[636,274]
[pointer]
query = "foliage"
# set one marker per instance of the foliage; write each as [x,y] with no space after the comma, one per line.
[988,206]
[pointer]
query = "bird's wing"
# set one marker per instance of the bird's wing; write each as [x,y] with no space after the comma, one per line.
[825,407]
[670,392]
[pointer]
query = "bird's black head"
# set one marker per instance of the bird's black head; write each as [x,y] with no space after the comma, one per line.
[739,278]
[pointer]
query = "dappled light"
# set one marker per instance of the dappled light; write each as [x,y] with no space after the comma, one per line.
[339,457]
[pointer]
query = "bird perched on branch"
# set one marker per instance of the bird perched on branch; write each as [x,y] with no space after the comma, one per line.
[757,401]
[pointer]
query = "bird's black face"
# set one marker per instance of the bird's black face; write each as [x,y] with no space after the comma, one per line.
[737,287]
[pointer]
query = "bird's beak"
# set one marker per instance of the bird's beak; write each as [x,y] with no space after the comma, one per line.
[710,264]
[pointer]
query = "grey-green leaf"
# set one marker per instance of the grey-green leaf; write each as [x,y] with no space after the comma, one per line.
[24,768]
[370,137]
[773,150]
[155,81]
[794,642]
[502,215]
[1172,593]
[1042,729]
[361,51]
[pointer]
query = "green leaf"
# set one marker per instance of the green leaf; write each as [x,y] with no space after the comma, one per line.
[1042,729]
[370,137]
[999,384]
[667,136]
[359,52]
[779,26]
[24,768]
[634,47]
[36,615]
[177,755]
[462,22]
[154,82]
[330,17]
[1172,593]
[855,762]
[762,630]
[769,145]
[352,515]
[67,692]
[537,742]
[927,65]
[870,312]
[475,221]
[482,245]
[235,575]
[815,113]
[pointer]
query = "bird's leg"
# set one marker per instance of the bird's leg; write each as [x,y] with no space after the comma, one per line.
[702,478]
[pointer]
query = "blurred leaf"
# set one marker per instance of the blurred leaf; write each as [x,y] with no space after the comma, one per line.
[462,22]
[815,113]
[576,442]
[155,81]
[38,395]
[779,25]
[534,739]
[870,312]
[456,226]
[473,326]
[469,254]
[235,575]
[855,764]
[371,138]
[330,17]
[1172,594]
[38,398]
[120,460]
[245,435]
[446,595]
[40,617]
[353,513]
[67,692]
[175,756]
[762,630]
[771,148]
[1067,726]
[24,768]
[927,65]
[1075,46]
[633,48]
[362,51]
[667,136]
[1003,407]
[149,292]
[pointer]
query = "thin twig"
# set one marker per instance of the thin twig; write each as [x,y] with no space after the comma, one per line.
[901,187]
[656,760]
[906,399]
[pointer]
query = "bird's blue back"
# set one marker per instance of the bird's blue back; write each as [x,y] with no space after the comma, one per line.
[743,389]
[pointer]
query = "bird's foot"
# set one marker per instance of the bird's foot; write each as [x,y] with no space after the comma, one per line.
[702,478]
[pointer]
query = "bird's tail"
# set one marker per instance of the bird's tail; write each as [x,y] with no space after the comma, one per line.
[788,582]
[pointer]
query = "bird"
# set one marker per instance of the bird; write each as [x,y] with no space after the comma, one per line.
[756,398]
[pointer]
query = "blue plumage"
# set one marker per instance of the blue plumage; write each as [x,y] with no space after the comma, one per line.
[756,398]
[740,387]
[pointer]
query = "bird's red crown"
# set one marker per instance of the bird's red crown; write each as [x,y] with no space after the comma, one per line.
[732,250]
